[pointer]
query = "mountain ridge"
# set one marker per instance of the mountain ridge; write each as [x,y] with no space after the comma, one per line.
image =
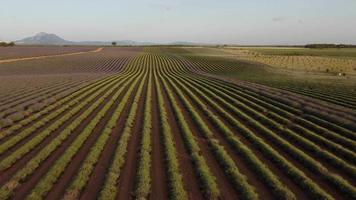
[43,38]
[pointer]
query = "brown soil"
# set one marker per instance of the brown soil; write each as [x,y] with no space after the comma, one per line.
[45,115]
[253,178]
[306,104]
[315,178]
[48,139]
[57,94]
[191,184]
[5,175]
[158,166]
[102,62]
[222,179]
[32,94]
[319,181]
[91,191]
[31,181]
[72,169]
[126,182]
[51,56]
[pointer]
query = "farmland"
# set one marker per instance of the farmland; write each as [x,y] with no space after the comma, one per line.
[326,78]
[177,123]
[25,52]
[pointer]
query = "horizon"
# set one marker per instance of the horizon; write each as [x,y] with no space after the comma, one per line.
[257,22]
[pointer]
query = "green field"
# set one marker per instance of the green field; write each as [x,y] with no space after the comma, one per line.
[327,52]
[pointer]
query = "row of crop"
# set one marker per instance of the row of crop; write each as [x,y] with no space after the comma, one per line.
[16,92]
[284,132]
[109,190]
[32,93]
[19,111]
[203,171]
[337,149]
[280,115]
[293,110]
[30,167]
[37,97]
[51,177]
[94,78]
[115,66]
[335,114]
[265,174]
[27,147]
[327,97]
[343,186]
[247,92]
[278,189]
[72,99]
[319,114]
[336,96]
[143,177]
[239,181]
[338,129]
[321,119]
[177,190]
[61,106]
[80,180]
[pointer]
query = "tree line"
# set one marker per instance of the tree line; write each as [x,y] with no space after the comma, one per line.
[321,46]
[4,44]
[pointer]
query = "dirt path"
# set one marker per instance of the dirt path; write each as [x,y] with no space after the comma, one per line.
[49,56]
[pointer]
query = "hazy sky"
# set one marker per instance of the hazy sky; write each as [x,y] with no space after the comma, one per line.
[213,21]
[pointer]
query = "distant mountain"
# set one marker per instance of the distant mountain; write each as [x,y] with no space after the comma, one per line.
[118,42]
[52,39]
[44,39]
[184,43]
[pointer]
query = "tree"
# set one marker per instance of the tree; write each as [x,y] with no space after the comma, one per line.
[11,44]
[113,43]
[4,44]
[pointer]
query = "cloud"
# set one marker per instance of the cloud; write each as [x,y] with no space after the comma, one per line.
[280,19]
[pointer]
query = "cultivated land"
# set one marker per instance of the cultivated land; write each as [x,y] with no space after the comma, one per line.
[28,51]
[179,123]
[327,78]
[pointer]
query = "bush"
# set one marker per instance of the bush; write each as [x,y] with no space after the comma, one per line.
[4,44]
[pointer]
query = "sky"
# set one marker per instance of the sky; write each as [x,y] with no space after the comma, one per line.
[203,21]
